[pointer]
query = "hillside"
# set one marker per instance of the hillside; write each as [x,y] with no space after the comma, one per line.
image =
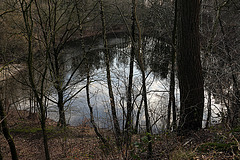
[80,142]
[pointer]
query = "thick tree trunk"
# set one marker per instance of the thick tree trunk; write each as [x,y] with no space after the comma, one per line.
[58,87]
[189,66]
[6,133]
[62,119]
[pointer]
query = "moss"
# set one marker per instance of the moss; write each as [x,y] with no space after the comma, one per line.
[220,147]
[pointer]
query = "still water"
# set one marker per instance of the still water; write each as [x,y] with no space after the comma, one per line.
[156,62]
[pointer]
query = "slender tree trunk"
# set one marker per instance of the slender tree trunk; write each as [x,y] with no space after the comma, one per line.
[100,136]
[45,139]
[138,116]
[30,104]
[140,60]
[128,126]
[104,141]
[209,104]
[28,22]
[148,124]
[169,110]
[189,66]
[6,133]
[172,103]
[110,90]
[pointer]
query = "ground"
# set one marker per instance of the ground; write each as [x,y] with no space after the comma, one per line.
[80,142]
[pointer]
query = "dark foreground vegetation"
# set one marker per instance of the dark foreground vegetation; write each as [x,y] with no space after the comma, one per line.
[81,142]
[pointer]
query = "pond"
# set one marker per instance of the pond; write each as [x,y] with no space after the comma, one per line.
[156,55]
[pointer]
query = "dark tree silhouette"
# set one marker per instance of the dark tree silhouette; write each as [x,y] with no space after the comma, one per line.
[189,66]
[6,133]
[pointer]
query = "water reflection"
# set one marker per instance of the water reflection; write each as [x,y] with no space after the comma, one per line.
[157,59]
[156,56]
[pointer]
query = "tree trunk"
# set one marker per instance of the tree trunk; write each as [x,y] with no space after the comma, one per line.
[62,119]
[128,126]
[140,60]
[28,22]
[104,141]
[208,122]
[45,139]
[110,91]
[6,133]
[172,103]
[189,66]
[138,116]
[148,124]
[173,69]
[141,63]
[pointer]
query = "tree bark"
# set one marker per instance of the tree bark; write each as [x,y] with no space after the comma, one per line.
[6,133]
[62,119]
[189,66]
[172,103]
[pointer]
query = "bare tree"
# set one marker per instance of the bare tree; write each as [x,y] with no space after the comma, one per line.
[172,103]
[223,66]
[141,64]
[110,90]
[129,125]
[26,10]
[61,24]
[6,133]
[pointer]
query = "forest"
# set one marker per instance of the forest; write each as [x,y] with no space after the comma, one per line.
[127,79]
